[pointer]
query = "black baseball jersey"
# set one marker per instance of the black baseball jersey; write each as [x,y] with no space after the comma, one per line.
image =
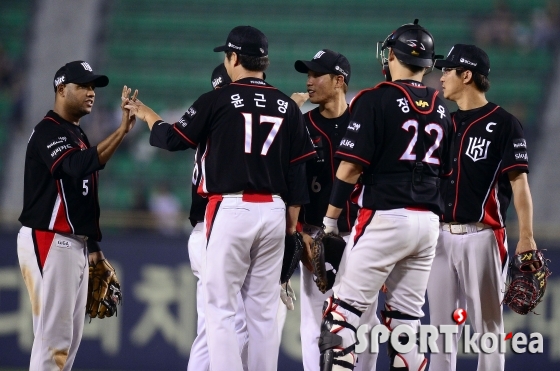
[326,135]
[400,133]
[198,203]
[488,144]
[61,179]
[252,134]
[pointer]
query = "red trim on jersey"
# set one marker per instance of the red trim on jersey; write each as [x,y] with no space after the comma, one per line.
[358,95]
[299,227]
[50,118]
[184,136]
[354,156]
[331,152]
[211,212]
[61,157]
[43,242]
[500,235]
[256,197]
[362,221]
[254,86]
[459,158]
[491,208]
[61,222]
[417,208]
[304,156]
[348,216]
[509,168]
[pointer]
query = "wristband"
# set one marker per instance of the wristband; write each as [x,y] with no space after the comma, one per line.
[340,193]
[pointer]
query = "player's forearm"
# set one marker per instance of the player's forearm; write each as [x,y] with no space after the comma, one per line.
[523,204]
[292,218]
[109,145]
[346,176]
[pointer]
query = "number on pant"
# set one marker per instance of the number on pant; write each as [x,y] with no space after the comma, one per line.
[276,121]
[409,153]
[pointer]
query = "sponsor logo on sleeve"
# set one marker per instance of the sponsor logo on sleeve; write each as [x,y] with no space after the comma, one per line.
[521,156]
[354,126]
[60,149]
[217,81]
[347,143]
[190,112]
[57,141]
[519,143]
[183,122]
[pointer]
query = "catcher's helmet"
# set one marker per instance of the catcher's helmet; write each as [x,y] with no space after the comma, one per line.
[411,43]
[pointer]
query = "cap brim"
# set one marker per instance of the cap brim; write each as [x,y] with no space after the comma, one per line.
[443,63]
[306,66]
[223,48]
[99,80]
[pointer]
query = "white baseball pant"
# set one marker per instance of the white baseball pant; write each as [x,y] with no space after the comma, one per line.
[245,247]
[58,295]
[312,301]
[198,357]
[468,272]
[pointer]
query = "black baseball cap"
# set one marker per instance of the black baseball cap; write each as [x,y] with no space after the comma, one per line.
[220,77]
[469,57]
[78,72]
[326,61]
[245,40]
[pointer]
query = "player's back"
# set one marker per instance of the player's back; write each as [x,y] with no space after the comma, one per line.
[255,132]
[406,148]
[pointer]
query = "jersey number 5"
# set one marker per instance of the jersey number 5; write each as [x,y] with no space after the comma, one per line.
[409,153]
[275,121]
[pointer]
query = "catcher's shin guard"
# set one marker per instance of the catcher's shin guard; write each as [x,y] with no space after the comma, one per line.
[413,360]
[338,335]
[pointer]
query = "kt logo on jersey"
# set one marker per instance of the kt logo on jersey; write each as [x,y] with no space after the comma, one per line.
[478,148]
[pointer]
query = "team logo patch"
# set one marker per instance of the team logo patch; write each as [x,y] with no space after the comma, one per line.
[86,66]
[478,148]
[422,103]
[319,54]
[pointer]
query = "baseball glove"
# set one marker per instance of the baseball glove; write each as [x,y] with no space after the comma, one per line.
[104,290]
[527,275]
[292,255]
[326,254]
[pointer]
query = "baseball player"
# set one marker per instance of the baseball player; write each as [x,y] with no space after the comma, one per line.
[60,216]
[328,76]
[489,165]
[256,148]
[198,357]
[398,137]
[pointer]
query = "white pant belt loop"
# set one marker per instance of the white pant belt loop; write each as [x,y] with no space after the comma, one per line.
[456,228]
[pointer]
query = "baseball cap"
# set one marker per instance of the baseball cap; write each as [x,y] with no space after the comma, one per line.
[326,61]
[78,72]
[245,40]
[470,57]
[220,77]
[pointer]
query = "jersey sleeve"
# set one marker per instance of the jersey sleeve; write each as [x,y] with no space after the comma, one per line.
[514,147]
[357,144]
[163,136]
[192,128]
[81,163]
[53,144]
[301,147]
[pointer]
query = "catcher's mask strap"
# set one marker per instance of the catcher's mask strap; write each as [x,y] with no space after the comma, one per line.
[346,306]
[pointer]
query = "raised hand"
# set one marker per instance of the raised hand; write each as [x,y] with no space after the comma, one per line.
[128,117]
